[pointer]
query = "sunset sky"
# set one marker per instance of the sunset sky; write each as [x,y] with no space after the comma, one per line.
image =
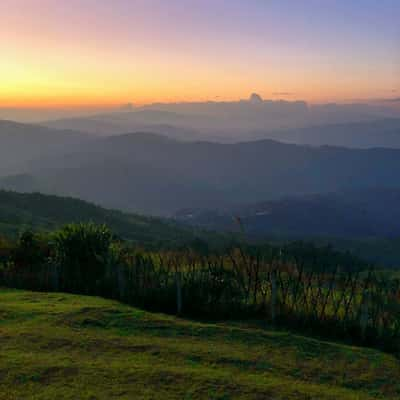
[102,52]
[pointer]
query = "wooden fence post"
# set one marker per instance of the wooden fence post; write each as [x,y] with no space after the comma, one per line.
[364,317]
[273,296]
[121,283]
[56,278]
[178,293]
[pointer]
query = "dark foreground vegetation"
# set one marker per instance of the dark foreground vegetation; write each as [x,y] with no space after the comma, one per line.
[45,213]
[301,287]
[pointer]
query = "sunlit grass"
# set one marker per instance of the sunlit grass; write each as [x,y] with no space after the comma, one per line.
[69,347]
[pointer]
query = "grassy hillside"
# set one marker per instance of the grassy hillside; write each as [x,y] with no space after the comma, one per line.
[35,211]
[68,347]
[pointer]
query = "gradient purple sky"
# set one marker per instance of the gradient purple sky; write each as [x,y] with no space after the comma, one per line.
[81,52]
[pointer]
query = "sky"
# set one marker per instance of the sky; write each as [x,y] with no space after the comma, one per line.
[83,53]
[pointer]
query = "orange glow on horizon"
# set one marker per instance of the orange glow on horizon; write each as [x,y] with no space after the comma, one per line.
[93,54]
[95,102]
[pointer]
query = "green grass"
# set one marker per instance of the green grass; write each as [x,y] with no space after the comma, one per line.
[60,346]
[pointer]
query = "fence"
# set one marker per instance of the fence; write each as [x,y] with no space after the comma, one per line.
[362,306]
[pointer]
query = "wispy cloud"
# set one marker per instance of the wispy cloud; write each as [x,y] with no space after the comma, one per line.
[392,100]
[283,94]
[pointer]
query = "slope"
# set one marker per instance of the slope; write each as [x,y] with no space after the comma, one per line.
[41,212]
[67,346]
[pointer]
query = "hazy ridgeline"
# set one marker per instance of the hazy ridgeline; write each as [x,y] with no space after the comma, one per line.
[298,286]
[153,174]
[162,158]
[353,125]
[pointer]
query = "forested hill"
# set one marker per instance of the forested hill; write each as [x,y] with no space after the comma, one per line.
[153,174]
[36,211]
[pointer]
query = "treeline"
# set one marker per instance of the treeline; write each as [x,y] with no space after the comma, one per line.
[298,286]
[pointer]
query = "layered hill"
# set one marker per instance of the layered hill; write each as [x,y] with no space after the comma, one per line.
[152,174]
[363,135]
[39,212]
[248,119]
[231,127]
[21,143]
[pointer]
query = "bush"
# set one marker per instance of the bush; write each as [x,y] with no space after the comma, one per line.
[81,253]
[29,253]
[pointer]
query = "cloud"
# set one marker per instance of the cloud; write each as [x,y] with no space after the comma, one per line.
[392,100]
[283,94]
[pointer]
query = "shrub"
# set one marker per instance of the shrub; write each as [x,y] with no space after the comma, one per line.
[81,253]
[29,253]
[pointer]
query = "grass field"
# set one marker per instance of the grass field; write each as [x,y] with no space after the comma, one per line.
[60,346]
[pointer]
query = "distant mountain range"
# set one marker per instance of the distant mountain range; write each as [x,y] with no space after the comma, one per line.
[153,174]
[173,125]
[21,143]
[372,134]
[250,119]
